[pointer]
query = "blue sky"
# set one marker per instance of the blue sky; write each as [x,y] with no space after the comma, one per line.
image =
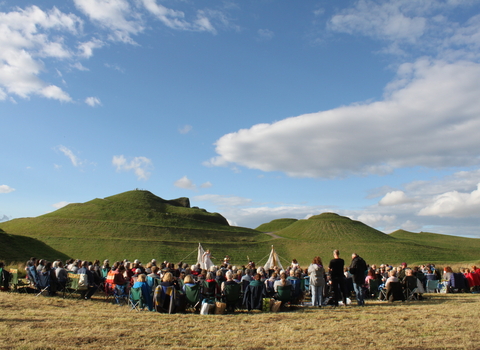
[257,110]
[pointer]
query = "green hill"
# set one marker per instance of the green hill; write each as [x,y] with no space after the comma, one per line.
[134,224]
[275,225]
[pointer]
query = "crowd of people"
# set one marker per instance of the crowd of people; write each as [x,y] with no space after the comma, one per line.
[326,284]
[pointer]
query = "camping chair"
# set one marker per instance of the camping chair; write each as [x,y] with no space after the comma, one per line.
[306,284]
[164,299]
[209,290]
[432,286]
[15,284]
[458,283]
[192,295]
[135,299]
[72,285]
[395,292]
[284,294]
[231,296]
[411,294]
[120,294]
[373,288]
[253,297]
[270,291]
[43,284]
[297,294]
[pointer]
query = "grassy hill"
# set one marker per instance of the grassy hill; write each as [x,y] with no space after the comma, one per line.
[140,225]
[275,225]
[134,224]
[321,234]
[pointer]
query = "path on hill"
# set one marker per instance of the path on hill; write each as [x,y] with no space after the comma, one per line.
[272,234]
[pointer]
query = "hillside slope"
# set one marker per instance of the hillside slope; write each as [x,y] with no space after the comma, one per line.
[131,224]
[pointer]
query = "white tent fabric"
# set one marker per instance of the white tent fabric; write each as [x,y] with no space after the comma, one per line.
[203,258]
[273,261]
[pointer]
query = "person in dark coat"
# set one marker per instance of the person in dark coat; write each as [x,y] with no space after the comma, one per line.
[337,278]
[358,266]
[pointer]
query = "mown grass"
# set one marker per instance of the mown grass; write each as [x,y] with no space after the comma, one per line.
[440,322]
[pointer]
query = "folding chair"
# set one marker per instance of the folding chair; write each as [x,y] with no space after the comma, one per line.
[382,292]
[72,286]
[43,283]
[192,295]
[373,288]
[253,297]
[15,284]
[395,292]
[432,286]
[284,294]
[135,299]
[297,294]
[120,294]
[164,299]
[411,294]
[209,290]
[231,294]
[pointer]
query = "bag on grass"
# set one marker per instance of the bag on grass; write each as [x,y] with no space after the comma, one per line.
[276,306]
[220,308]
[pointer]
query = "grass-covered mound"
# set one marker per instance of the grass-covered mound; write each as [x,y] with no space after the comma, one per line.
[134,224]
[321,234]
[275,225]
[459,248]
[331,226]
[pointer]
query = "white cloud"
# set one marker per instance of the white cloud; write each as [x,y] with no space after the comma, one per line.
[265,34]
[222,201]
[29,36]
[69,153]
[376,220]
[86,48]
[115,15]
[430,27]
[386,20]
[140,166]
[93,101]
[243,212]
[207,184]
[6,189]
[454,204]
[437,101]
[60,204]
[185,129]
[395,198]
[186,183]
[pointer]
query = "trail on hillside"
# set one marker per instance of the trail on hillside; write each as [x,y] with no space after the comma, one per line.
[273,235]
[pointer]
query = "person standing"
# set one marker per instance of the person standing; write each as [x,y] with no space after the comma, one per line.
[337,278]
[316,273]
[357,268]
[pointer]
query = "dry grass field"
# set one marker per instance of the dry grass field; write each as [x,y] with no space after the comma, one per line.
[442,321]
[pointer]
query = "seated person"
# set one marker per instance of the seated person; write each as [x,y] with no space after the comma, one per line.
[168,280]
[146,291]
[392,277]
[229,280]
[281,282]
[188,282]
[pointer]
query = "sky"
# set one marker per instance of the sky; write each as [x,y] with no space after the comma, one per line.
[257,110]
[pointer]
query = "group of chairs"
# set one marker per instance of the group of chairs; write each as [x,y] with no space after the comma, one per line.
[394,291]
[167,299]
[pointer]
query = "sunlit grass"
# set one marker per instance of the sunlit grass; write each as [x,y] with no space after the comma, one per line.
[441,321]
